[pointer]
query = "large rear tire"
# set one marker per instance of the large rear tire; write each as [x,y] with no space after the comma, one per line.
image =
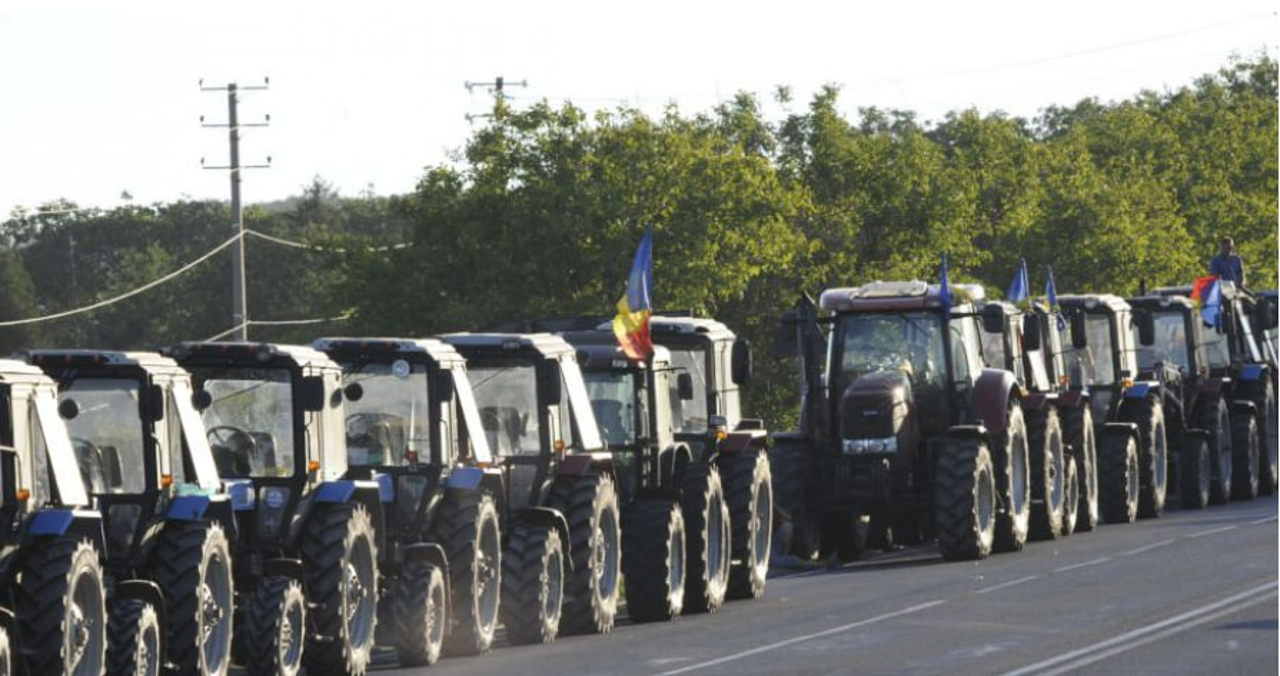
[590,504]
[340,556]
[789,466]
[275,632]
[1118,478]
[1267,441]
[192,565]
[1215,420]
[59,604]
[706,520]
[533,569]
[749,492]
[653,560]
[1244,444]
[1013,482]
[1047,460]
[1153,454]
[134,646]
[1084,446]
[964,500]
[420,614]
[468,528]
[1194,473]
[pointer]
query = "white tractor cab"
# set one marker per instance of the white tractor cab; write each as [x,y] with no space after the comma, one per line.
[306,559]
[559,476]
[412,425]
[142,451]
[1127,412]
[902,429]
[54,618]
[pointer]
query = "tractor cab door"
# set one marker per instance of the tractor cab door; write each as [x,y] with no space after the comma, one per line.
[966,366]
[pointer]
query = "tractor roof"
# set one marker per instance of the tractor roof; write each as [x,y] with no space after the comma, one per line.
[913,295]
[14,371]
[1106,301]
[389,349]
[598,351]
[1228,290]
[660,325]
[1152,302]
[245,353]
[545,344]
[152,362]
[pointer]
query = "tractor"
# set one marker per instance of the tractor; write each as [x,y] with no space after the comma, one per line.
[1227,357]
[306,559]
[561,488]
[143,452]
[412,425]
[902,428]
[53,618]
[1127,415]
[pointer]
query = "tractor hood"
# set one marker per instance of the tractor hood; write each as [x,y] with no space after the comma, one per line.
[875,406]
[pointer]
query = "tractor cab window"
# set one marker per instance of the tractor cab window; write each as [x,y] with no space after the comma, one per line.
[194,445]
[1094,363]
[965,350]
[249,421]
[1216,349]
[613,400]
[585,430]
[1170,344]
[909,342]
[391,419]
[106,433]
[993,353]
[690,416]
[507,397]
[1250,353]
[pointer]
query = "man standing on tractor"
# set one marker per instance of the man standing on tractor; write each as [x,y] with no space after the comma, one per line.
[1227,265]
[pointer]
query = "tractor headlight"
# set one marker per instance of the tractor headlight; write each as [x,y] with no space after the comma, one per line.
[861,446]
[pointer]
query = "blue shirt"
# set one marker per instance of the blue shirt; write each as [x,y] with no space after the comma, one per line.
[1228,268]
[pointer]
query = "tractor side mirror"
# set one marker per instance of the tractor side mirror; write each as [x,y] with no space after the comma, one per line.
[201,399]
[1146,327]
[1078,339]
[353,392]
[1031,332]
[741,361]
[786,343]
[548,383]
[993,319]
[68,409]
[312,393]
[152,403]
[684,386]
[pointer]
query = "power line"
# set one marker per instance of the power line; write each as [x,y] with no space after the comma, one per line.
[314,247]
[127,294]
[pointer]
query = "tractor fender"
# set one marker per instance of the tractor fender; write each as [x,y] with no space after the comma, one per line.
[975,432]
[1213,386]
[1141,388]
[1036,401]
[1122,428]
[363,492]
[1073,398]
[547,517]
[432,553]
[1243,407]
[221,512]
[59,522]
[188,508]
[582,464]
[148,592]
[285,567]
[464,478]
[1197,435]
[740,440]
[991,396]
[1252,372]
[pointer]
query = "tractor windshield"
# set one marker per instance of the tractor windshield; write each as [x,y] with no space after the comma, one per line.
[690,415]
[1093,364]
[390,417]
[507,396]
[993,352]
[1217,350]
[104,422]
[1170,345]
[910,342]
[613,400]
[249,421]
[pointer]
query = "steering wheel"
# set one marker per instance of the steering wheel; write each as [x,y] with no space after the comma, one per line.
[239,443]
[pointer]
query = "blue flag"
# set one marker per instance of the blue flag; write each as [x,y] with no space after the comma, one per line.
[1051,294]
[1019,289]
[1211,304]
[944,288]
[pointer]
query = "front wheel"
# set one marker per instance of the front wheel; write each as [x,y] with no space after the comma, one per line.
[192,565]
[1118,478]
[1244,443]
[964,500]
[653,560]
[533,583]
[1044,432]
[590,504]
[1267,451]
[134,648]
[1153,454]
[706,518]
[749,492]
[420,614]
[1070,497]
[1217,423]
[1081,439]
[468,527]
[1194,473]
[275,628]
[1013,481]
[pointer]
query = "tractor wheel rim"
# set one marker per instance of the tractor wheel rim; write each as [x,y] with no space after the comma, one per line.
[215,616]
[487,583]
[85,625]
[358,595]
[763,532]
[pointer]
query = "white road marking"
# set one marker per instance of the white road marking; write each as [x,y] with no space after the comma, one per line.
[1082,565]
[1269,518]
[1010,583]
[1141,636]
[1211,531]
[1148,548]
[807,637]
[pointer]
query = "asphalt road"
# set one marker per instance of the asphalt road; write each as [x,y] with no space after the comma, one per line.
[1189,593]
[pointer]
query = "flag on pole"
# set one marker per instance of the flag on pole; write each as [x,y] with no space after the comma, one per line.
[944,287]
[631,325]
[1206,293]
[1051,294]
[1020,288]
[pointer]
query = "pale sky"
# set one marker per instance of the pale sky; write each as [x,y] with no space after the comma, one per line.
[100,100]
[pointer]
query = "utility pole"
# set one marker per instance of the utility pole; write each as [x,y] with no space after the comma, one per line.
[496,88]
[239,309]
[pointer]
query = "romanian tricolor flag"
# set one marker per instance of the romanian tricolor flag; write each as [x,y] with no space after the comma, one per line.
[1206,293]
[631,326]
